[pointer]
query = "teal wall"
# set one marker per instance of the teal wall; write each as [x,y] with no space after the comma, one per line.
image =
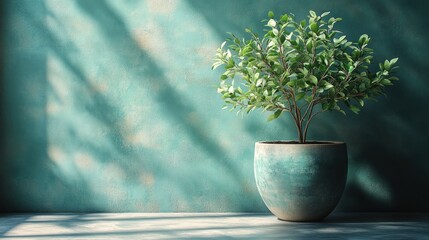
[111,106]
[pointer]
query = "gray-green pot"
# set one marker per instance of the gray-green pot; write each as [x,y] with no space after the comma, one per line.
[300,182]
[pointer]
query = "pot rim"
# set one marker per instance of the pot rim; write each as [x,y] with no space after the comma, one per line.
[307,143]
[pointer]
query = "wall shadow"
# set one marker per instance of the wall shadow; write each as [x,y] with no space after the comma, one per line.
[76,193]
[28,183]
[386,142]
[174,105]
[3,179]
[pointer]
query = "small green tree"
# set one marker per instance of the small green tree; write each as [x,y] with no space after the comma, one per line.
[300,68]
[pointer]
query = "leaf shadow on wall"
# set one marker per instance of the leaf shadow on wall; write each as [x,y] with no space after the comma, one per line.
[175,105]
[75,193]
[28,184]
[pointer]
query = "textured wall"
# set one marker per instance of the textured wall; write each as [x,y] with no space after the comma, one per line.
[111,106]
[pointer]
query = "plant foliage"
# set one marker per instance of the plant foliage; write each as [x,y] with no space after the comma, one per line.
[303,68]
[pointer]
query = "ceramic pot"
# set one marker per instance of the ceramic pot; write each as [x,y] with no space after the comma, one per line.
[300,182]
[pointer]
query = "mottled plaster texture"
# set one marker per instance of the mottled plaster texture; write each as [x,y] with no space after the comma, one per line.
[111,106]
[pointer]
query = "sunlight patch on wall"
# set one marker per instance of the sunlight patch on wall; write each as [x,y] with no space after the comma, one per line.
[56,155]
[372,184]
[84,161]
[128,104]
[165,7]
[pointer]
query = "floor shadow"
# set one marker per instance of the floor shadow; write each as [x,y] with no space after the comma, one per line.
[339,226]
[13,221]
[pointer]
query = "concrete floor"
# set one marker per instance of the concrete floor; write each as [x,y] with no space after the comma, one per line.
[210,226]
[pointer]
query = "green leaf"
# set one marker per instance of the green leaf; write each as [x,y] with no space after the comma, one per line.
[291,83]
[301,83]
[304,71]
[299,96]
[320,90]
[363,39]
[325,14]
[386,82]
[339,40]
[313,79]
[313,14]
[327,86]
[303,23]
[275,115]
[325,106]
[265,93]
[230,64]
[309,98]
[250,108]
[222,45]
[275,32]
[284,18]
[386,65]
[393,61]
[231,89]
[314,27]
[246,50]
[354,109]
[271,23]
[309,45]
[270,14]
[216,65]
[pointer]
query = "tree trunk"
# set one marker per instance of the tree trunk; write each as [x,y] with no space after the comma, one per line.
[300,133]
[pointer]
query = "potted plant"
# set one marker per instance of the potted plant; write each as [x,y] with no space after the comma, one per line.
[304,69]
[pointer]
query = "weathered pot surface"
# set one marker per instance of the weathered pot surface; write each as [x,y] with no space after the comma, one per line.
[300,182]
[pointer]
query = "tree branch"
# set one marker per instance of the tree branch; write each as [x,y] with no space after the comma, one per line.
[308,123]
